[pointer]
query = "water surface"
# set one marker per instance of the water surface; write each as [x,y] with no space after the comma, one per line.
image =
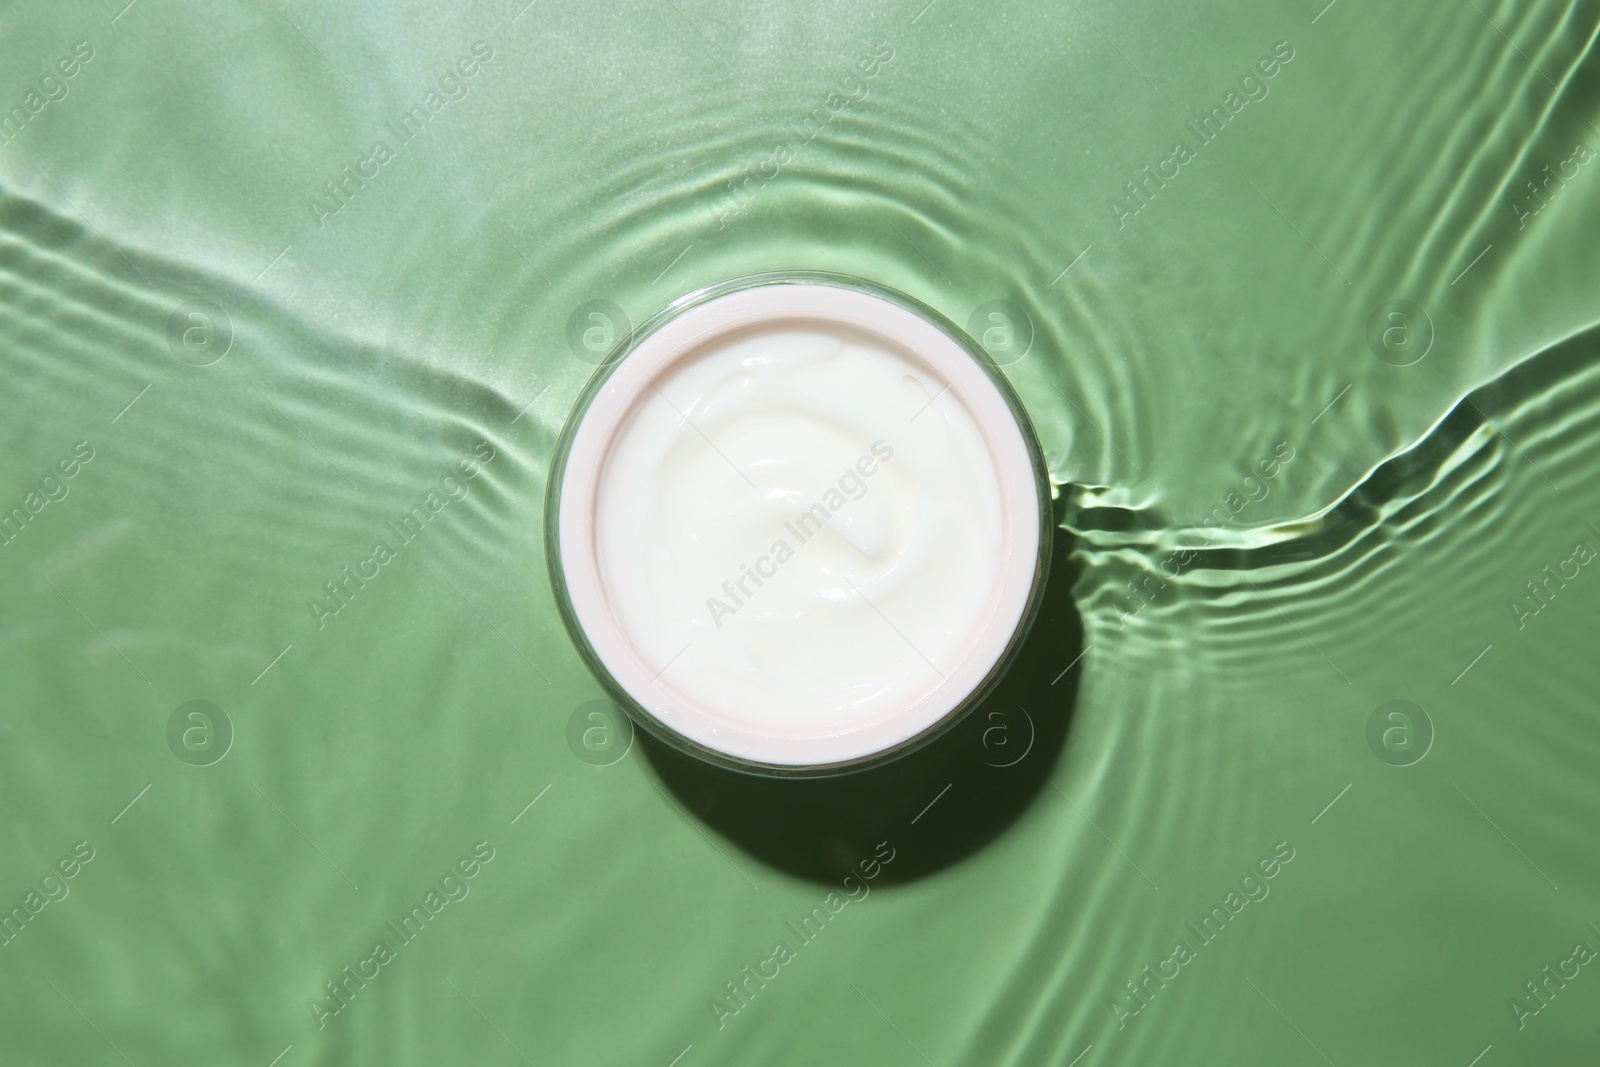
[271,375]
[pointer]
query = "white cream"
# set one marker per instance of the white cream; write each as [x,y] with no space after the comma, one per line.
[808,539]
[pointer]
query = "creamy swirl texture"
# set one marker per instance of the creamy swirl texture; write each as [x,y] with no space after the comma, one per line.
[800,526]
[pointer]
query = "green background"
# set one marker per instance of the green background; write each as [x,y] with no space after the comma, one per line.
[1176,721]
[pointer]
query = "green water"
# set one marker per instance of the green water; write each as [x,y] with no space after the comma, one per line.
[1201,704]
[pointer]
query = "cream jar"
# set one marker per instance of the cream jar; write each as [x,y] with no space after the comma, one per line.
[797,524]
